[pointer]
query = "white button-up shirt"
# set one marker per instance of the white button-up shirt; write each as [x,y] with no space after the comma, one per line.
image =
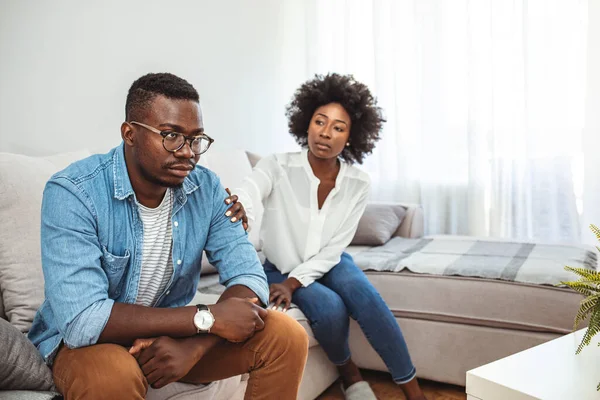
[296,236]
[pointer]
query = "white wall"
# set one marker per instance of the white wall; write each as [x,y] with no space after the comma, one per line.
[66,66]
[591,197]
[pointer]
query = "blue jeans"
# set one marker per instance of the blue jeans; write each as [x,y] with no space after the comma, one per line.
[342,292]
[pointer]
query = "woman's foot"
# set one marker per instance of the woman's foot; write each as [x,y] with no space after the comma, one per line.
[412,390]
[359,391]
[350,374]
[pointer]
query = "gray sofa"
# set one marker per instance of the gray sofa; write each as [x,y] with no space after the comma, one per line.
[451,323]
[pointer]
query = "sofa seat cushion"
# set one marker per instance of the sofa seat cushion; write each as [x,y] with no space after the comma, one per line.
[223,389]
[469,299]
[209,291]
[476,301]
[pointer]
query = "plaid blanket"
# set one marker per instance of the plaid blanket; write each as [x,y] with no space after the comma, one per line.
[468,256]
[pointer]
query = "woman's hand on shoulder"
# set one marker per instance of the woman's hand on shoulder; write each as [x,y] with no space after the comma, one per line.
[236,211]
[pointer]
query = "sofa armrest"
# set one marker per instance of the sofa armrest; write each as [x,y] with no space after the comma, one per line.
[413,223]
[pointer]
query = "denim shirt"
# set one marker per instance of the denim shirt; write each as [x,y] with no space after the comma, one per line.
[92,235]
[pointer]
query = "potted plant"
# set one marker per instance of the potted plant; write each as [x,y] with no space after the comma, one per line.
[588,285]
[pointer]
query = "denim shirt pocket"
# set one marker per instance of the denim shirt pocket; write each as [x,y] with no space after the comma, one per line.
[114,267]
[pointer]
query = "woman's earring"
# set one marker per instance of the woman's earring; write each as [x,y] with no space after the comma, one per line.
[348,144]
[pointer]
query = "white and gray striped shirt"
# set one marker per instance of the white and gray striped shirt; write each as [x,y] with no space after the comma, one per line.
[157,265]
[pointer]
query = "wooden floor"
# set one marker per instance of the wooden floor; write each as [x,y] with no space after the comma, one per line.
[386,389]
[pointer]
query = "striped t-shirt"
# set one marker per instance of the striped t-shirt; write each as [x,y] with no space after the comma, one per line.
[157,266]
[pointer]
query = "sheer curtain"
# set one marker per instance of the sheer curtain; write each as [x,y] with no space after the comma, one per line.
[485,106]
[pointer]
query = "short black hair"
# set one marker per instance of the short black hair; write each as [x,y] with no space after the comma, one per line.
[357,100]
[145,89]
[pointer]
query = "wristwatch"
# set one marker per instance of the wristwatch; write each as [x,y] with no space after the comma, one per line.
[203,319]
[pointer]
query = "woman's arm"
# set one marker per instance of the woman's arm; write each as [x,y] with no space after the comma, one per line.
[257,186]
[329,256]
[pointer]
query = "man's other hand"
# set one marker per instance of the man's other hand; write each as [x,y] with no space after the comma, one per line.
[237,319]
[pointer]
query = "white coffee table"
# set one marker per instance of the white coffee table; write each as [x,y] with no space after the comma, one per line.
[548,371]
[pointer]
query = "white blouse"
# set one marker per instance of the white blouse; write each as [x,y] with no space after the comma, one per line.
[296,236]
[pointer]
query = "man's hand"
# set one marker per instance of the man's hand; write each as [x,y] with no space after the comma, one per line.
[167,360]
[237,319]
[236,211]
[281,293]
[139,345]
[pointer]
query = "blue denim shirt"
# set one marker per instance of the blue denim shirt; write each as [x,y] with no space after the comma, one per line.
[92,248]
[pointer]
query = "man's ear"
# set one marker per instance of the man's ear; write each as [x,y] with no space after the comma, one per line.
[127,133]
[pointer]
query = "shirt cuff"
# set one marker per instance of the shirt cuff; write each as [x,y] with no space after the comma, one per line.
[305,281]
[255,284]
[87,327]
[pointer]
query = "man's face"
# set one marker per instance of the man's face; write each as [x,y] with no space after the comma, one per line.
[156,164]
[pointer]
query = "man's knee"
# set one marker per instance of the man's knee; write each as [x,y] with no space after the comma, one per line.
[287,333]
[101,371]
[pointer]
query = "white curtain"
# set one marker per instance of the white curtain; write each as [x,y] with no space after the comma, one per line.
[485,106]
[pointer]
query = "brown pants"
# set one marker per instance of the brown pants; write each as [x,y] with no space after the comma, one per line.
[274,357]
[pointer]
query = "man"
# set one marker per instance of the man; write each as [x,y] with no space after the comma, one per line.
[122,239]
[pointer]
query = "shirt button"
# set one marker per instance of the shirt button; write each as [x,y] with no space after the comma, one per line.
[178,262]
[176,224]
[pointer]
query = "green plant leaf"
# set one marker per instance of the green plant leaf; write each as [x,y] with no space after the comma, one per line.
[586,273]
[595,230]
[592,330]
[582,284]
[584,291]
[587,306]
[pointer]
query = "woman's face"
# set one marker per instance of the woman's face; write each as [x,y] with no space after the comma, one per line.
[328,131]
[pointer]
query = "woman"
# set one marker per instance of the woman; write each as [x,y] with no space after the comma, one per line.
[313,201]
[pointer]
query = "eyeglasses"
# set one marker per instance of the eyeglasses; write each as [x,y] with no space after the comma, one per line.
[174,141]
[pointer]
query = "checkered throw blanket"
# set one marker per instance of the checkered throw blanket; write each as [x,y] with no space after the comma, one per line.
[511,261]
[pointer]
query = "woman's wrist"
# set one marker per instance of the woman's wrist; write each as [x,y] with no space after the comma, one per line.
[292,284]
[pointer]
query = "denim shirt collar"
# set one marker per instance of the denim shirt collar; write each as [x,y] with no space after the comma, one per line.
[122,184]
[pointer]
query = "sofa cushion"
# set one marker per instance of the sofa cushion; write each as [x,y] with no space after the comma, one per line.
[232,166]
[378,224]
[2,313]
[30,395]
[22,366]
[22,181]
[223,389]
[492,303]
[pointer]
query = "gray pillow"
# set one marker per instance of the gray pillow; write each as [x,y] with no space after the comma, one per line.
[22,366]
[378,223]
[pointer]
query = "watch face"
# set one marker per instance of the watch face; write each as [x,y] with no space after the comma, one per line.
[203,320]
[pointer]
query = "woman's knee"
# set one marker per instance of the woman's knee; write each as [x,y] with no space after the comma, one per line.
[347,280]
[330,312]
